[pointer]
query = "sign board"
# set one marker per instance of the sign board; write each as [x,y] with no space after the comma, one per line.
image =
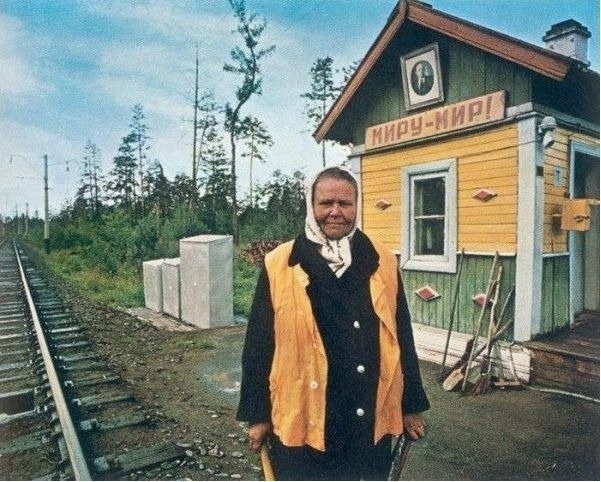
[469,113]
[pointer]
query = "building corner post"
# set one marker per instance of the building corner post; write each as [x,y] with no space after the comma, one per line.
[529,261]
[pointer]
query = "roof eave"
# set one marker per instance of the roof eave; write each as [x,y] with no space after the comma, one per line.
[547,63]
[395,20]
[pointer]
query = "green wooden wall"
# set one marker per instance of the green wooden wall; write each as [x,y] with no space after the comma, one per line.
[473,280]
[555,307]
[466,73]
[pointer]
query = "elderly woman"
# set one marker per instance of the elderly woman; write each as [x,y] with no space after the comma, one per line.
[329,369]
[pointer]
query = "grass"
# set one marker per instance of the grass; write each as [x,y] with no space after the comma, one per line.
[245,281]
[125,288]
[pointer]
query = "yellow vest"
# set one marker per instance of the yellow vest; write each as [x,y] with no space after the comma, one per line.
[299,371]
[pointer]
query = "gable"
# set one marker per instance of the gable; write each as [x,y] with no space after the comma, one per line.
[473,61]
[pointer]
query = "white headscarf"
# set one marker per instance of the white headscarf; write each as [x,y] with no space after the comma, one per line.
[337,252]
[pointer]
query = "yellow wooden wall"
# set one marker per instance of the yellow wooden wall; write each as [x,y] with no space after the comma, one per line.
[558,155]
[484,160]
[555,240]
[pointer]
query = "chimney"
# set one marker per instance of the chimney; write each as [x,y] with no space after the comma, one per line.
[569,38]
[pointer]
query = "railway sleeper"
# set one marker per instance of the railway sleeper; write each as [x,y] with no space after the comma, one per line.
[95,425]
[58,318]
[102,399]
[11,308]
[91,381]
[75,358]
[17,402]
[63,337]
[6,419]
[19,325]
[26,442]
[127,462]
[12,317]
[83,366]
[6,339]
[68,346]
[5,367]
[19,343]
[11,355]
[15,378]
[69,329]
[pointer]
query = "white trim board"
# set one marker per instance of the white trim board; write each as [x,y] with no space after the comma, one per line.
[430,343]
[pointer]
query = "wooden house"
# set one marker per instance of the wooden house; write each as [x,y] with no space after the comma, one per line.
[467,143]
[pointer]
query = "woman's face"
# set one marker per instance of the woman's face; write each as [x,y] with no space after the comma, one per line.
[335,207]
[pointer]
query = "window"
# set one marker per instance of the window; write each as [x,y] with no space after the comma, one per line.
[429,217]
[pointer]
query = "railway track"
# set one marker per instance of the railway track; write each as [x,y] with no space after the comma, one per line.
[64,415]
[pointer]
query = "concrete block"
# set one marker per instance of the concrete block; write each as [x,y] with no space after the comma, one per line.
[207,275]
[171,287]
[153,284]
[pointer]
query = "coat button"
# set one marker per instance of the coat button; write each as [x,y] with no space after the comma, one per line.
[360,412]
[360,368]
[313,385]
[356,324]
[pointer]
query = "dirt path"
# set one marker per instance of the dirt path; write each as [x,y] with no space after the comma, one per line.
[192,378]
[503,435]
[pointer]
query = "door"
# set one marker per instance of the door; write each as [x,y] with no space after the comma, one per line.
[584,246]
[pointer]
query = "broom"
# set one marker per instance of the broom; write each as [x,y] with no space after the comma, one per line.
[483,383]
[458,374]
[480,318]
[443,373]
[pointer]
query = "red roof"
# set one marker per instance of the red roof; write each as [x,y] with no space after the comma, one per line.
[540,60]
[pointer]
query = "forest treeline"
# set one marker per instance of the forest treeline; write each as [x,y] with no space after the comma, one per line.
[133,212]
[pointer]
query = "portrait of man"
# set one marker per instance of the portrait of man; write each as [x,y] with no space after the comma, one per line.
[422,77]
[422,81]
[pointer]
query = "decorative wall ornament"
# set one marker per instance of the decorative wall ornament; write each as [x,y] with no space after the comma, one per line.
[383,204]
[479,299]
[427,293]
[422,80]
[484,194]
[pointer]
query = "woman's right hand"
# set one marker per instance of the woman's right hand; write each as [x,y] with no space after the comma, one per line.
[257,433]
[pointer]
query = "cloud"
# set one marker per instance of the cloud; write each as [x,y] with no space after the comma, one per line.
[19,75]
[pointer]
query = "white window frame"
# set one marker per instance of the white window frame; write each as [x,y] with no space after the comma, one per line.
[446,263]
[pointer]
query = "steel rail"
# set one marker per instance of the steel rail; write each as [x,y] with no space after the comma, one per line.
[77,457]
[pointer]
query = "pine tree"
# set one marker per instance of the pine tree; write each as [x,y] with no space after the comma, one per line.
[91,178]
[246,63]
[139,134]
[159,190]
[255,136]
[207,133]
[322,94]
[122,183]
[216,179]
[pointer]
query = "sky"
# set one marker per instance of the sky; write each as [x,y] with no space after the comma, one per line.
[71,71]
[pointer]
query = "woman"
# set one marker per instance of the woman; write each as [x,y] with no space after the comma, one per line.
[329,369]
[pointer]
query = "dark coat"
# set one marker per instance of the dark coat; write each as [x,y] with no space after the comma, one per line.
[349,328]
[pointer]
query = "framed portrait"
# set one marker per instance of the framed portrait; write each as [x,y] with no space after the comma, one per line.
[422,81]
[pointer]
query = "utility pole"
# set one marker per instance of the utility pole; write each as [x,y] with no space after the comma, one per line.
[18,226]
[46,220]
[195,127]
[26,218]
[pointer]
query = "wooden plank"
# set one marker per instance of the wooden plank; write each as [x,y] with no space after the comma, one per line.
[487,209]
[488,228]
[487,247]
[504,204]
[501,169]
[507,241]
[500,218]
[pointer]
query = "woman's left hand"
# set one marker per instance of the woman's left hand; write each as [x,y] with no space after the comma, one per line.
[414,425]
